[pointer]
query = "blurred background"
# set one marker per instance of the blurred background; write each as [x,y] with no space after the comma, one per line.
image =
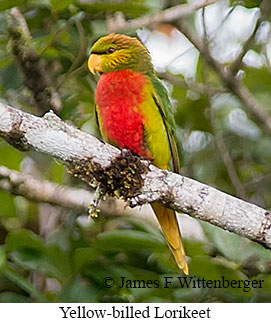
[215,61]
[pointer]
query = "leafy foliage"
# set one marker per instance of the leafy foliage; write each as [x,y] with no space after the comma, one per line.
[67,261]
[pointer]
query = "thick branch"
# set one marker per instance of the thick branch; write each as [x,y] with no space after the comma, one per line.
[119,23]
[137,180]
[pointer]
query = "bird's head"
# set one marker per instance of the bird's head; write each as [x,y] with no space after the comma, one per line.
[116,52]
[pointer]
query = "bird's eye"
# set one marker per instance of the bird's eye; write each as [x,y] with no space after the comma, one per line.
[110,50]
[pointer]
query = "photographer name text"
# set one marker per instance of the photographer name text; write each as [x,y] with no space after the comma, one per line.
[184,282]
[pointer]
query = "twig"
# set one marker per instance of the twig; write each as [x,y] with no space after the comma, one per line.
[79,59]
[119,173]
[198,87]
[236,65]
[257,111]
[119,23]
[218,137]
[226,157]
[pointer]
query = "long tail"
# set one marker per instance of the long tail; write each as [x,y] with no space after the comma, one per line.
[168,221]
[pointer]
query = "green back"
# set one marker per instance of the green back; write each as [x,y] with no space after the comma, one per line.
[165,108]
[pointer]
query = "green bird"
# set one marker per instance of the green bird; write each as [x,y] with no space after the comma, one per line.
[134,112]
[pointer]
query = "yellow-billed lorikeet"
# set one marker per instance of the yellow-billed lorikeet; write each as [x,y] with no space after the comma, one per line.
[134,112]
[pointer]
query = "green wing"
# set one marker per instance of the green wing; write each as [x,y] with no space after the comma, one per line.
[161,99]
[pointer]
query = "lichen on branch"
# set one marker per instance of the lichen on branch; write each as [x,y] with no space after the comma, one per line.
[121,178]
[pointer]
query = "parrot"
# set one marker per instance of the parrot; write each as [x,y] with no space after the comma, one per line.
[134,112]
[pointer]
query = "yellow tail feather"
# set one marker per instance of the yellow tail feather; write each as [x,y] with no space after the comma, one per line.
[168,221]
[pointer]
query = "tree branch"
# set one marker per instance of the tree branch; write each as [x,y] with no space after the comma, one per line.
[43,191]
[197,87]
[118,22]
[36,77]
[257,111]
[78,199]
[119,173]
[237,64]
[226,156]
[65,196]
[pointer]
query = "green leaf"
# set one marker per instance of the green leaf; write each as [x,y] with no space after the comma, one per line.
[82,256]
[36,261]
[6,4]
[29,251]
[128,240]
[5,61]
[242,251]
[10,297]
[23,283]
[258,79]
[142,225]
[191,112]
[263,294]
[130,8]
[59,5]
[212,269]
[249,3]
[12,77]
[194,248]
[79,290]
[8,208]
[2,259]
[57,172]
[60,261]
[24,239]
[9,156]
[227,243]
